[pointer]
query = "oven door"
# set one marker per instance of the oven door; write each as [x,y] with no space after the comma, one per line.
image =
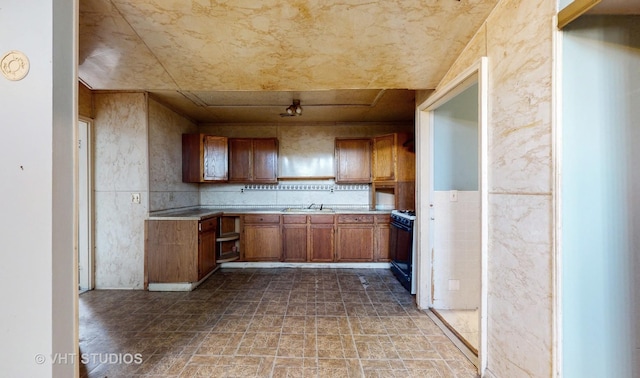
[401,251]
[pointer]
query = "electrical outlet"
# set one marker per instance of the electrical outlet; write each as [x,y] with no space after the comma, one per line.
[453,196]
[135,197]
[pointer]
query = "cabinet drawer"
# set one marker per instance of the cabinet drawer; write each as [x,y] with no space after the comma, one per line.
[208,224]
[383,219]
[355,218]
[262,218]
[294,219]
[321,219]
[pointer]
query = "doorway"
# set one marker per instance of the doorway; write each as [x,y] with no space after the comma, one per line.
[452,197]
[84,226]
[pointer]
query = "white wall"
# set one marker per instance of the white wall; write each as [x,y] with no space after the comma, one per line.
[39,284]
[121,168]
[601,196]
[456,250]
[455,150]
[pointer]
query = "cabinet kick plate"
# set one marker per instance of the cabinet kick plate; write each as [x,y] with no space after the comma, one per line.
[14,65]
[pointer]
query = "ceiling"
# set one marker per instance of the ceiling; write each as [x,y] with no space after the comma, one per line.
[247,60]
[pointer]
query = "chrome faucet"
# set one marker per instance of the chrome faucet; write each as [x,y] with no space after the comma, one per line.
[310,206]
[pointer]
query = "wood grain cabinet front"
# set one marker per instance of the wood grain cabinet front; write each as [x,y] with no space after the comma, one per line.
[260,240]
[353,160]
[204,158]
[253,160]
[355,240]
[180,251]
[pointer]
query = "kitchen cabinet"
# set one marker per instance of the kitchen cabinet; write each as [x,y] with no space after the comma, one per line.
[353,160]
[356,237]
[180,251]
[294,238]
[393,158]
[204,158]
[393,169]
[253,160]
[260,237]
[382,231]
[308,238]
[321,238]
[207,236]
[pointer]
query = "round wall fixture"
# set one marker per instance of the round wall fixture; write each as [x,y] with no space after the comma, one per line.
[14,65]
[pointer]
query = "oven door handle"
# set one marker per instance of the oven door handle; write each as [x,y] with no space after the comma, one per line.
[401,226]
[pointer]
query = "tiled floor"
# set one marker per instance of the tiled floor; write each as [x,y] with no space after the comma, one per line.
[267,323]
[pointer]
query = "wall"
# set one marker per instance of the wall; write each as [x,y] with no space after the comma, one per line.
[518,40]
[166,189]
[600,196]
[38,281]
[455,151]
[456,250]
[121,168]
[300,147]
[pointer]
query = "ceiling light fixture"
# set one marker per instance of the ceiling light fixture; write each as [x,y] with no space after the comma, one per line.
[293,110]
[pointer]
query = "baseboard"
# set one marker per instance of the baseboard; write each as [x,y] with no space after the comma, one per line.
[277,264]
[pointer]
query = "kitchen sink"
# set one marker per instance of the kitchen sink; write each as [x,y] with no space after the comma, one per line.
[307,210]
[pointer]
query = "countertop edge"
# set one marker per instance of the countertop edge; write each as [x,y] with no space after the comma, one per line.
[201,214]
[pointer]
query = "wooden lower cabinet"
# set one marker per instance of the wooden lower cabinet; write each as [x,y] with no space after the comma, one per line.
[179,251]
[307,238]
[356,237]
[260,240]
[294,238]
[207,246]
[321,238]
[383,231]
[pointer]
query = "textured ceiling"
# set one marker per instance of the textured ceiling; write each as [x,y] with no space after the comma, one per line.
[246,60]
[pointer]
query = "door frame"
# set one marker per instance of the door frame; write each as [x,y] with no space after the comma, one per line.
[476,73]
[86,192]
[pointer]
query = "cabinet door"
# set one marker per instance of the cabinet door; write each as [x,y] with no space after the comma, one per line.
[206,253]
[383,231]
[294,242]
[265,160]
[321,242]
[384,157]
[355,238]
[262,242]
[240,160]
[215,158]
[353,160]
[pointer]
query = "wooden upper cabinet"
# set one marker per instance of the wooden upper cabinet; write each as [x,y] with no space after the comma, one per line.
[353,160]
[393,158]
[265,160]
[204,158]
[253,160]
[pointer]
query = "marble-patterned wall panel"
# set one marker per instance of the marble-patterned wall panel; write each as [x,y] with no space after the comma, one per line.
[520,285]
[119,241]
[121,168]
[165,200]
[166,188]
[476,49]
[520,50]
[120,142]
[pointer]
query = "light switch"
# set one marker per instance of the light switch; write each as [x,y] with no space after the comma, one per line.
[453,196]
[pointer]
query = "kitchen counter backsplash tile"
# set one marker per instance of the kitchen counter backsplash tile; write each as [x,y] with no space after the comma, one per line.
[214,195]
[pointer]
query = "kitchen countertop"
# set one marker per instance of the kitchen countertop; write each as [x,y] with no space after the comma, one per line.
[199,213]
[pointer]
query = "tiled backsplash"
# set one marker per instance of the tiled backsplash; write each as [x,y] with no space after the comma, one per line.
[457,250]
